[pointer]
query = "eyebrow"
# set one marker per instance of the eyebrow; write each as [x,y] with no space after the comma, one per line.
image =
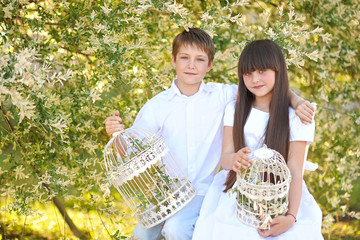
[200,55]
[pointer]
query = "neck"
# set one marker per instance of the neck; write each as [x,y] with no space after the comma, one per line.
[263,103]
[188,89]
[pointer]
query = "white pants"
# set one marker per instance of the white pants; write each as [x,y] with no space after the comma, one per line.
[180,226]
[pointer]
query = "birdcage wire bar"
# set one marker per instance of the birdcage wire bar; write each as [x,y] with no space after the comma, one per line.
[142,169]
[262,189]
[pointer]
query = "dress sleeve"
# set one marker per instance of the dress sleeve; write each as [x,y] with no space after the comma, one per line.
[300,131]
[229,114]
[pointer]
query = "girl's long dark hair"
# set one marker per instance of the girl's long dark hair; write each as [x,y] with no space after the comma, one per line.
[261,55]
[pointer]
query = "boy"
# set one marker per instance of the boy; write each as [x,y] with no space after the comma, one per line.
[189,116]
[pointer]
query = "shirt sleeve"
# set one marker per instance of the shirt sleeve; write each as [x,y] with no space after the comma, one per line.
[229,92]
[229,114]
[145,119]
[300,131]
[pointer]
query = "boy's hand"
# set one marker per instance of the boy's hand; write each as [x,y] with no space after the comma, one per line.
[241,159]
[113,124]
[305,110]
[279,225]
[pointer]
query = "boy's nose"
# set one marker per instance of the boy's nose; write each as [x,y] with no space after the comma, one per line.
[192,64]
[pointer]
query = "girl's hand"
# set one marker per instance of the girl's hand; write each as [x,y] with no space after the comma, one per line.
[241,159]
[279,225]
[305,110]
[113,124]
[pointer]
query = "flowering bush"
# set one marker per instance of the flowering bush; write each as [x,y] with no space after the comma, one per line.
[66,65]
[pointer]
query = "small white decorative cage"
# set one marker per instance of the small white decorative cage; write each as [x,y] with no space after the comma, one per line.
[142,169]
[262,189]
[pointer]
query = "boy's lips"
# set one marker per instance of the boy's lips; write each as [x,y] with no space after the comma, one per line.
[189,73]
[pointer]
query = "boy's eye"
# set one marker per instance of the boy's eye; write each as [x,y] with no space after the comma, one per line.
[183,57]
[202,60]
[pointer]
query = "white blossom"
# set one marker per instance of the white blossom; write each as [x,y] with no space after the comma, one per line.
[206,17]
[241,3]
[177,9]
[26,107]
[281,9]
[100,27]
[106,9]
[93,15]
[315,55]
[19,173]
[7,10]
[238,19]
[60,124]
[291,14]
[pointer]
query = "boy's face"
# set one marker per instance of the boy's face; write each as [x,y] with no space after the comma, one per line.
[191,64]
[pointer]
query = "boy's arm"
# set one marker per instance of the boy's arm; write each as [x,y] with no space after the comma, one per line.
[303,108]
[146,119]
[113,124]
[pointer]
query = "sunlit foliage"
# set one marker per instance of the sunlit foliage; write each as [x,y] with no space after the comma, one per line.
[67,65]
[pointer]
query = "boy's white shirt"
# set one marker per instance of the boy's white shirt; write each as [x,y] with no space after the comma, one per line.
[192,127]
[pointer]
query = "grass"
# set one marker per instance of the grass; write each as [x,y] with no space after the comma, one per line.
[349,230]
[47,223]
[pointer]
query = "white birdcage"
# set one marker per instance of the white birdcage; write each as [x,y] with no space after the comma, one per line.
[142,169]
[262,189]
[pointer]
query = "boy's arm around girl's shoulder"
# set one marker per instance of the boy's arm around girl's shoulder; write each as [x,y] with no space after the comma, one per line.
[228,92]
[300,131]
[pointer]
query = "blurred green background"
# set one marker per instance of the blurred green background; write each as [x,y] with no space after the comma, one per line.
[67,65]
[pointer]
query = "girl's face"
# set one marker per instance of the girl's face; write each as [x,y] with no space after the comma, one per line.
[260,82]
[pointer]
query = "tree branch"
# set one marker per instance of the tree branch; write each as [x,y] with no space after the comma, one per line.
[78,52]
[68,220]
[8,123]
[312,10]
[55,200]
[226,70]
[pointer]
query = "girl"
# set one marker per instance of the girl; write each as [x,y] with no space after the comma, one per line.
[261,115]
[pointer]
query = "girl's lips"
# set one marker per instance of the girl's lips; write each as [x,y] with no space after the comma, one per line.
[258,87]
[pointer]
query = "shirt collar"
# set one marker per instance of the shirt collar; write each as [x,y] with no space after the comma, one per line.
[175,91]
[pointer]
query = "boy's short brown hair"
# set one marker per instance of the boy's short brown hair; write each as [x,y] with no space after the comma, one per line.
[194,36]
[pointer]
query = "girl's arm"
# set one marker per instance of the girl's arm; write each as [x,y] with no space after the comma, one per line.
[295,163]
[230,159]
[303,108]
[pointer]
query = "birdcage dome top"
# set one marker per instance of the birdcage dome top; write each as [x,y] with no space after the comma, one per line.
[268,167]
[131,151]
[264,153]
[267,174]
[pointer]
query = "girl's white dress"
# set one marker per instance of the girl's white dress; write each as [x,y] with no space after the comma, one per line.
[218,219]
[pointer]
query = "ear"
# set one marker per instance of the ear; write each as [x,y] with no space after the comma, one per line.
[210,66]
[173,61]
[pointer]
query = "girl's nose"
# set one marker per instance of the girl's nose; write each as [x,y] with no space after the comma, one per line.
[256,77]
